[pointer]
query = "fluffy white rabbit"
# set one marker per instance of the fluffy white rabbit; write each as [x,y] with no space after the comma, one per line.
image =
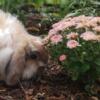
[21,54]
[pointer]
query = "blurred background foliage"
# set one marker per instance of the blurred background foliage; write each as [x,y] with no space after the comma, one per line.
[38,15]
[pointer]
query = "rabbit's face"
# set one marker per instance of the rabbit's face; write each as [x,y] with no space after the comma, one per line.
[36,58]
[25,61]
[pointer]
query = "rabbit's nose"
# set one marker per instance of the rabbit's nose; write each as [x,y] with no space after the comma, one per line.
[44,65]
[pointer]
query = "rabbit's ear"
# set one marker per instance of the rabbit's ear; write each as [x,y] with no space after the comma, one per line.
[16,67]
[43,54]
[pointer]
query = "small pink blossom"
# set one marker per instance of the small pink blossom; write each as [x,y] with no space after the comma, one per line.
[96,19]
[97,28]
[88,36]
[79,25]
[52,32]
[72,35]
[69,24]
[64,21]
[58,23]
[56,38]
[63,24]
[62,57]
[72,44]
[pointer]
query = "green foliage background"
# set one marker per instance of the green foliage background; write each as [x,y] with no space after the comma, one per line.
[70,7]
[53,9]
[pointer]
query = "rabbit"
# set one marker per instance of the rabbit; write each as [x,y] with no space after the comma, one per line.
[21,54]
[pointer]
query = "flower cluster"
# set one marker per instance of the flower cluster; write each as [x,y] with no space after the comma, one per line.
[77,22]
[74,43]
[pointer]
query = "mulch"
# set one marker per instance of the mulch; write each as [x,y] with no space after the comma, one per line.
[50,84]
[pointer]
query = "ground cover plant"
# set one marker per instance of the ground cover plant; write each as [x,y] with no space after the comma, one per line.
[74,44]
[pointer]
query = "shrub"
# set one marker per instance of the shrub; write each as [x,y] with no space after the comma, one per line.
[74,44]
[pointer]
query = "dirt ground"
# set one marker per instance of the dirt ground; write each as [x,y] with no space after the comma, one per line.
[51,84]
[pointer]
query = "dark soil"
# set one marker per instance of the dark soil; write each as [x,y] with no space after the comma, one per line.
[51,84]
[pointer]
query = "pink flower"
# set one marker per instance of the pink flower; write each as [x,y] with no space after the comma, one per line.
[62,57]
[72,44]
[63,24]
[56,38]
[97,28]
[52,32]
[80,25]
[88,36]
[72,35]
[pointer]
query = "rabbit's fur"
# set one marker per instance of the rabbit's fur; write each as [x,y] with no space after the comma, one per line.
[21,54]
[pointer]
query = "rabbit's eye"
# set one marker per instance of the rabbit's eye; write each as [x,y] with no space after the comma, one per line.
[34,55]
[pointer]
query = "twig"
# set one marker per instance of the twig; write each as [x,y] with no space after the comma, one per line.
[24,91]
[6,98]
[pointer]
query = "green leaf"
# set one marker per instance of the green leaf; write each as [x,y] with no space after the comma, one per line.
[85,67]
[75,75]
[97,61]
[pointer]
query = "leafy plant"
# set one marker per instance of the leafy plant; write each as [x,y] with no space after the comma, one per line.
[74,44]
[73,7]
